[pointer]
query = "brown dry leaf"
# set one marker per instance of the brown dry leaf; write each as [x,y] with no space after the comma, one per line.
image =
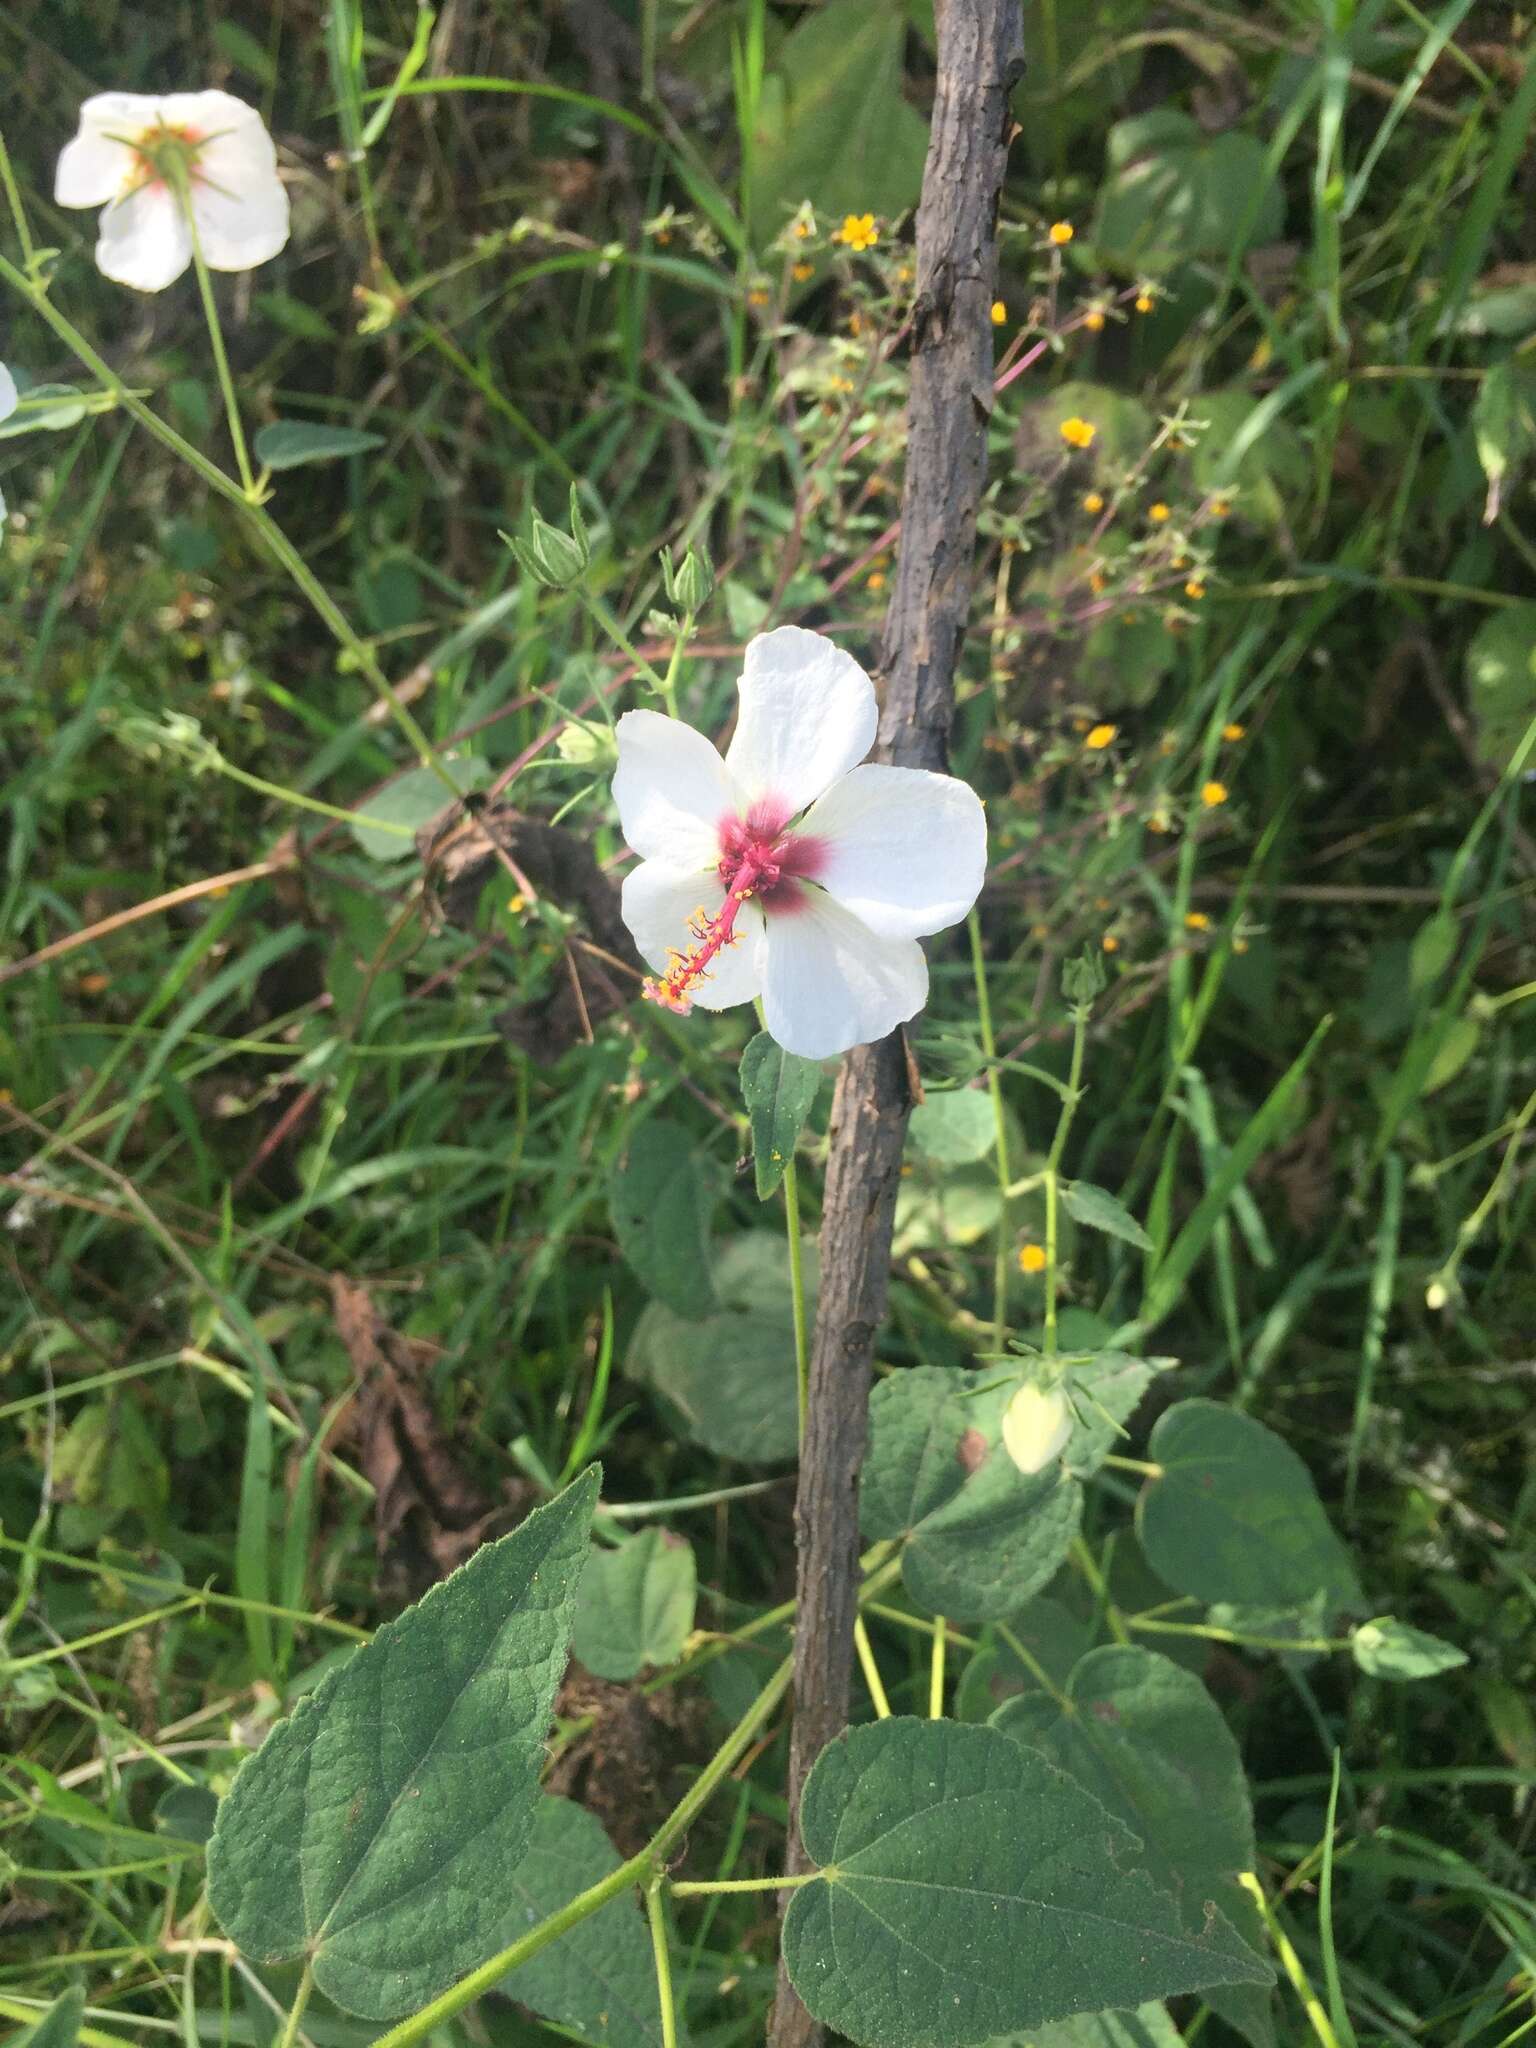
[602,971]
[429,1515]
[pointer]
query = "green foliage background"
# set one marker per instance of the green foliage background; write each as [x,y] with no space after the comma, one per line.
[560,255]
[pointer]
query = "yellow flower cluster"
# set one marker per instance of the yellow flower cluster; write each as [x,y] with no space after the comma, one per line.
[1078,433]
[858,231]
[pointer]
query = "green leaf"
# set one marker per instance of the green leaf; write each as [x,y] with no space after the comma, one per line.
[1261,463]
[1106,1391]
[1147,2027]
[833,125]
[1097,1209]
[636,1605]
[44,409]
[731,1375]
[1433,950]
[408,803]
[954,1128]
[779,1089]
[1388,1648]
[598,1978]
[374,1830]
[108,1460]
[1150,1744]
[285,444]
[981,1537]
[1173,193]
[968,1889]
[1055,1639]
[1501,682]
[59,2026]
[1235,1515]
[1504,425]
[661,1198]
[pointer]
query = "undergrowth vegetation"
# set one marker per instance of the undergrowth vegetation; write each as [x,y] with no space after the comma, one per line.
[354,1202]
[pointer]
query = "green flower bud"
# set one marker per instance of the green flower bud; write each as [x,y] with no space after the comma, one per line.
[689,583]
[174,737]
[551,557]
[1083,978]
[585,745]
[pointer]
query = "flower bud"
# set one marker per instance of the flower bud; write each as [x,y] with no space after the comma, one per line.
[551,557]
[585,745]
[1036,1425]
[689,583]
[1083,978]
[172,737]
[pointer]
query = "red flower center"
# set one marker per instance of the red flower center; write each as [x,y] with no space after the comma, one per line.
[758,857]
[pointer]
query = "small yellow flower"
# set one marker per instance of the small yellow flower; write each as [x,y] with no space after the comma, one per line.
[858,231]
[802,271]
[1093,502]
[1197,921]
[1143,302]
[1102,903]
[1093,320]
[663,237]
[1110,943]
[1179,560]
[1213,794]
[1032,1258]
[1060,232]
[1220,508]
[1194,589]
[1096,584]
[1078,433]
[757,296]
[804,230]
[999,312]
[1101,737]
[1239,945]
[1158,513]
[1234,732]
[877,581]
[95,984]
[516,905]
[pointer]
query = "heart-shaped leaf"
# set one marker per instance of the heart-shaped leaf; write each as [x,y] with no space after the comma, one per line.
[374,1830]
[636,1605]
[1235,1516]
[661,1198]
[968,1889]
[598,1978]
[981,1536]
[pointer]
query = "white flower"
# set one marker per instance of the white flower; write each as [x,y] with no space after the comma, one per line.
[1036,1425]
[786,870]
[7,407]
[125,159]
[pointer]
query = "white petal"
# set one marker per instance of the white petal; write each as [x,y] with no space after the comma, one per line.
[905,850]
[97,165]
[672,790]
[830,982]
[2,508]
[204,113]
[808,713]
[657,903]
[238,200]
[144,240]
[7,393]
[1036,1425]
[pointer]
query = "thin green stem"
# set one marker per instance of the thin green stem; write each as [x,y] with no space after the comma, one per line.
[797,1292]
[637,1870]
[296,797]
[1088,1565]
[267,530]
[296,2010]
[669,680]
[870,1669]
[656,1914]
[1053,1171]
[1035,1668]
[1000,1141]
[1291,1963]
[936,1670]
[215,332]
[696,1889]
[18,211]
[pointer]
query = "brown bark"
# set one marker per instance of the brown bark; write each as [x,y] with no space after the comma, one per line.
[981,56]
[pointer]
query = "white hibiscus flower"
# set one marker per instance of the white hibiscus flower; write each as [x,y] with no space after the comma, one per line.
[787,870]
[125,159]
[7,407]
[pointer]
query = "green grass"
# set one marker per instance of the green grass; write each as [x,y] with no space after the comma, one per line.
[1305,1096]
